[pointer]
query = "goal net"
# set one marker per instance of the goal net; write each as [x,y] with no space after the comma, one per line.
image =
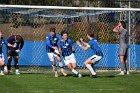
[33,24]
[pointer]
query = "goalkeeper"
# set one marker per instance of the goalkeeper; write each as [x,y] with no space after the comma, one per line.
[18,42]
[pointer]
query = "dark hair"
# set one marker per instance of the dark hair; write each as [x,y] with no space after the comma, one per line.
[63,32]
[19,38]
[123,24]
[52,29]
[91,34]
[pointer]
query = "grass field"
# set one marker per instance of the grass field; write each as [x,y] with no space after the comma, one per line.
[47,83]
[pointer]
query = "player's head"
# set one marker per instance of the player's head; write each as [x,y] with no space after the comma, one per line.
[18,38]
[123,24]
[64,35]
[52,31]
[90,35]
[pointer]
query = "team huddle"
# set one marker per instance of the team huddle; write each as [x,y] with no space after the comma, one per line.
[61,45]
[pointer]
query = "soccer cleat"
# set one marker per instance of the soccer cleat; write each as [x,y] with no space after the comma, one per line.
[17,73]
[9,72]
[56,74]
[121,74]
[79,75]
[127,73]
[94,76]
[1,74]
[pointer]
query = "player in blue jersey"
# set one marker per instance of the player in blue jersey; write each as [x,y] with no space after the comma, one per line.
[18,42]
[2,41]
[52,50]
[97,53]
[66,48]
[123,47]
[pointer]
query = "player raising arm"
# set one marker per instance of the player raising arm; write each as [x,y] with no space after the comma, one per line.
[96,50]
[66,48]
[123,47]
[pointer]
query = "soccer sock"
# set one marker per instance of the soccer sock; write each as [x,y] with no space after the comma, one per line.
[16,63]
[122,66]
[90,69]
[61,66]
[9,63]
[54,68]
[9,66]
[74,71]
[127,66]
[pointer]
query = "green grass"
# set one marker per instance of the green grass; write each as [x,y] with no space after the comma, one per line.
[47,83]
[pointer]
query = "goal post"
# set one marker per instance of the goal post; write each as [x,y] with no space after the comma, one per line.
[33,24]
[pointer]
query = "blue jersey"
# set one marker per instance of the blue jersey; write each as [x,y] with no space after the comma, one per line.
[52,41]
[2,41]
[66,47]
[93,44]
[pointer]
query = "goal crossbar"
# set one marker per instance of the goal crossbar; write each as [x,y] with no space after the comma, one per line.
[70,8]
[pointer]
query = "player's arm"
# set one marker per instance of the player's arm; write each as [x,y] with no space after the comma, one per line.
[116,29]
[59,47]
[48,43]
[22,44]
[81,39]
[8,44]
[72,46]
[83,47]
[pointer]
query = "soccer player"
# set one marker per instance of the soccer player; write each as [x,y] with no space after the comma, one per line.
[18,42]
[2,41]
[66,48]
[96,50]
[123,47]
[52,50]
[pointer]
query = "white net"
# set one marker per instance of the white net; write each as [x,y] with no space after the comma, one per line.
[33,24]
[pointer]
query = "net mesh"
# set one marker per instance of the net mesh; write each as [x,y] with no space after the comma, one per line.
[33,25]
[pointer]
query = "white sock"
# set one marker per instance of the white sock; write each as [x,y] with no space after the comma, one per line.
[17,70]
[91,69]
[1,71]
[74,71]
[60,64]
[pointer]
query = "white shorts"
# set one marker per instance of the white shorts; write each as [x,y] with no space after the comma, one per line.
[69,59]
[1,57]
[95,58]
[53,55]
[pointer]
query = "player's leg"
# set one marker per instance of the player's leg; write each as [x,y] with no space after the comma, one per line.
[71,64]
[122,51]
[88,63]
[122,65]
[94,60]
[1,66]
[61,65]
[9,64]
[51,57]
[74,66]
[16,65]
[126,62]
